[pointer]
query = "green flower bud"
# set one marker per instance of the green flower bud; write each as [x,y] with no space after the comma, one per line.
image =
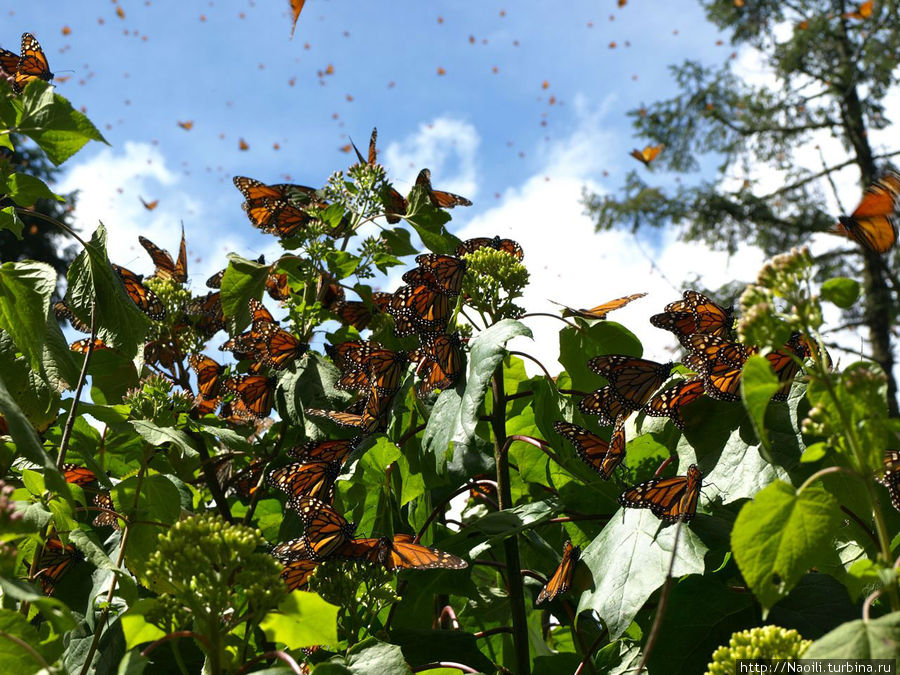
[492,281]
[765,642]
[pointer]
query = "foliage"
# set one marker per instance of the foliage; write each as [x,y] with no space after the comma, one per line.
[143,528]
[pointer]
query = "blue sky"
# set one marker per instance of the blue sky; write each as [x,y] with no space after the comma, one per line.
[494,137]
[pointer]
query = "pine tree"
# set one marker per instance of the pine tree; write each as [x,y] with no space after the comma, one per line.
[833,63]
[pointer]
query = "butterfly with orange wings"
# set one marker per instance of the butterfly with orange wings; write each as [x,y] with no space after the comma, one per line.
[358,313]
[329,450]
[298,560]
[82,346]
[891,477]
[602,456]
[669,499]
[648,154]
[373,416]
[209,313]
[256,392]
[265,342]
[443,200]
[78,475]
[443,273]
[269,207]
[373,154]
[419,309]
[631,379]
[506,245]
[440,362]
[55,561]
[108,517]
[63,311]
[719,363]
[873,225]
[365,366]
[209,382]
[324,529]
[669,402]
[600,311]
[245,482]
[140,295]
[695,313]
[306,479]
[399,553]
[166,267]
[30,64]
[561,580]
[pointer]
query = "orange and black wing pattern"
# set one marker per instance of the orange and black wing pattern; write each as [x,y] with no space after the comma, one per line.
[419,309]
[209,375]
[401,553]
[166,267]
[256,392]
[441,362]
[305,479]
[329,450]
[140,295]
[607,405]
[669,402]
[325,530]
[63,311]
[561,580]
[648,154]
[669,499]
[55,561]
[600,311]
[891,477]
[631,379]
[32,63]
[873,225]
[298,560]
[506,245]
[78,475]
[442,272]
[602,456]
[443,200]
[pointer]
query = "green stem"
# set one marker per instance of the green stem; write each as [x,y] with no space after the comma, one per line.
[82,377]
[510,545]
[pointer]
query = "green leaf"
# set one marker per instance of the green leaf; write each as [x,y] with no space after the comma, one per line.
[758,384]
[243,279]
[120,324]
[28,653]
[160,502]
[429,221]
[302,620]
[629,560]
[55,611]
[51,122]
[873,639]
[841,291]
[781,534]
[9,220]
[427,646]
[398,241]
[500,525]
[451,427]
[25,190]
[341,263]
[25,290]
[157,436]
[135,626]
[372,656]
[576,347]
[368,491]
[57,361]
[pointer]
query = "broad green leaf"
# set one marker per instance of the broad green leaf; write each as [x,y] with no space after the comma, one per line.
[51,122]
[368,490]
[629,560]
[371,656]
[758,385]
[302,620]
[25,190]
[158,506]
[133,663]
[310,385]
[427,646]
[874,639]
[781,534]
[577,347]
[398,241]
[120,324]
[451,427]
[14,657]
[500,525]
[341,263]
[25,290]
[157,436]
[841,291]
[816,605]
[57,361]
[55,611]
[244,279]
[136,628]
[429,222]
[9,220]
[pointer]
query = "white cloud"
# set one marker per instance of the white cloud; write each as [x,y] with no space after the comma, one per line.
[447,146]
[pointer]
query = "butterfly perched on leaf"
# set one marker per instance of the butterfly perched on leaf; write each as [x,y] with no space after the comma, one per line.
[506,245]
[63,311]
[166,267]
[669,499]
[443,273]
[602,456]
[270,207]
[669,402]
[145,299]
[78,475]
[56,560]
[374,415]
[648,154]
[695,313]
[30,64]
[561,580]
[632,381]
[399,553]
[245,482]
[720,364]
[82,346]
[891,477]
[107,517]
[209,381]
[443,200]
[256,392]
[324,529]
[600,311]
[440,362]
[306,479]
[298,560]
[873,224]
[329,450]
[419,309]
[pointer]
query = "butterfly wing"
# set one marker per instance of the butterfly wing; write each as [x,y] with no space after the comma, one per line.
[165,266]
[403,554]
[444,200]
[891,477]
[607,405]
[324,528]
[32,63]
[305,479]
[669,499]
[602,456]
[669,402]
[872,224]
[325,451]
[140,295]
[209,374]
[561,580]
[78,475]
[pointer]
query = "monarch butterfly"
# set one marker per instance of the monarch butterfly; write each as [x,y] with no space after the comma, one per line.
[268,206]
[78,475]
[255,191]
[234,412]
[140,295]
[600,311]
[209,375]
[324,529]
[608,405]
[669,402]
[562,578]
[105,518]
[372,153]
[297,558]
[399,553]
[714,350]
[385,369]
[305,479]
[695,313]
[669,499]
[277,286]
[209,310]
[166,267]
[442,272]
[419,309]
[276,348]
[443,200]
[395,205]
[891,477]
[357,313]
[245,482]
[441,362]
[785,365]
[206,406]
[374,416]
[648,154]
[55,561]
[632,379]
[602,456]
[82,346]
[63,311]
[505,245]
[256,392]
[325,451]
[31,64]
[873,225]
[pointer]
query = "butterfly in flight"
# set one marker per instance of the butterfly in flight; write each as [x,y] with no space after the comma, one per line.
[873,224]
[166,267]
[669,499]
[600,311]
[648,154]
[561,580]
[602,456]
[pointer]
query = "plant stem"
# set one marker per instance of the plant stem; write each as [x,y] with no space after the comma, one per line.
[82,377]
[510,545]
